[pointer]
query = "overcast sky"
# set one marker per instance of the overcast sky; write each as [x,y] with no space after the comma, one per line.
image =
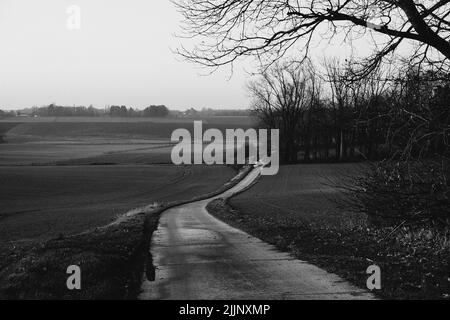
[121,55]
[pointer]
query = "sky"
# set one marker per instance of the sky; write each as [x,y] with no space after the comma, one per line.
[121,55]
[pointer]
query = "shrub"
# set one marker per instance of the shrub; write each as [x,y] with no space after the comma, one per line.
[404,192]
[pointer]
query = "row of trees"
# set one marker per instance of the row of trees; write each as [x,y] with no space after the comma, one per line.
[53,110]
[328,115]
[400,118]
[152,111]
[6,114]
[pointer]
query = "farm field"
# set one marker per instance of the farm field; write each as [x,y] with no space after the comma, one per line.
[89,152]
[113,128]
[37,141]
[66,175]
[304,193]
[40,202]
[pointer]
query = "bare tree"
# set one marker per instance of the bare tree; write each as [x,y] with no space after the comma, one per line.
[358,108]
[335,74]
[280,98]
[266,29]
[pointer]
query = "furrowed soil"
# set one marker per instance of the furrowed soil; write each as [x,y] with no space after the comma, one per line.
[63,179]
[37,141]
[41,202]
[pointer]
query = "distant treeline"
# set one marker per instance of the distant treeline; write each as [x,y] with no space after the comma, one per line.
[53,110]
[208,112]
[6,114]
[159,111]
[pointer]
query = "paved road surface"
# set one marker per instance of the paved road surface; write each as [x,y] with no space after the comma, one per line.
[199,257]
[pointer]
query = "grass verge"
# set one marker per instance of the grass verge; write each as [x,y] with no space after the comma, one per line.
[109,259]
[414,263]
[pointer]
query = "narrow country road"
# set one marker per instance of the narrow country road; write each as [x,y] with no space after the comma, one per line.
[199,257]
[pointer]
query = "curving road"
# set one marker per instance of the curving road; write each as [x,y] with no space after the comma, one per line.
[199,257]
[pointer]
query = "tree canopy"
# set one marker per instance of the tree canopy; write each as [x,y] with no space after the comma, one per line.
[267,29]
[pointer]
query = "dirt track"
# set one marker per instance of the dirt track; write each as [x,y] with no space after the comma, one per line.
[199,257]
